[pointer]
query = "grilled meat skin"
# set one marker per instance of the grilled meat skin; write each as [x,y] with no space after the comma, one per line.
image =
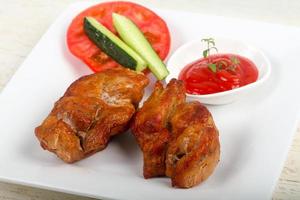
[194,148]
[178,139]
[94,108]
[150,126]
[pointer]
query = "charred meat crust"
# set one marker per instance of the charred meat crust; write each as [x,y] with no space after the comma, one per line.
[150,125]
[94,108]
[178,139]
[194,148]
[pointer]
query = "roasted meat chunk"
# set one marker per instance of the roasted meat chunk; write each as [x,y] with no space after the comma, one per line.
[194,149]
[178,139]
[150,126]
[116,87]
[94,108]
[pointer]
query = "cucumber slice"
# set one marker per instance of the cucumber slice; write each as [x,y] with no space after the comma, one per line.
[112,45]
[132,36]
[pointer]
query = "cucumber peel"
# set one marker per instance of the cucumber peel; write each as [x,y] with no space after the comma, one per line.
[135,39]
[112,45]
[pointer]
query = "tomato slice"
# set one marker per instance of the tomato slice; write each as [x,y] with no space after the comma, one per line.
[153,27]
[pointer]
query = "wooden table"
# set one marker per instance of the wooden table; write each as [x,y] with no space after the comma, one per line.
[23,22]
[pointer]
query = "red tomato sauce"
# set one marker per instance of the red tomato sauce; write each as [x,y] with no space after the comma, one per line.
[230,71]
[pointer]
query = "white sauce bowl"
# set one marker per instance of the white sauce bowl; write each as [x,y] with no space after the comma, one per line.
[192,51]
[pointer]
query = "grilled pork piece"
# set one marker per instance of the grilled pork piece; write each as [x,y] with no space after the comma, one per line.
[150,126]
[93,108]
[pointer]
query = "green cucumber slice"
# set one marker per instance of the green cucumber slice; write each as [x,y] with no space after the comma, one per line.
[134,38]
[112,45]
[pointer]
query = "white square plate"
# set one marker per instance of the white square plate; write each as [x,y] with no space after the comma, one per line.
[255,132]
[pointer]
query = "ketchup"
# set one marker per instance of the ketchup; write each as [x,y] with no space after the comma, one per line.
[229,71]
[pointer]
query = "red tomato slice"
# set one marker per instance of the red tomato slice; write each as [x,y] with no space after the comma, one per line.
[153,27]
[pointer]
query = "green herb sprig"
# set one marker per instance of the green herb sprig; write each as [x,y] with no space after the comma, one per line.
[235,62]
[214,67]
[210,42]
[211,45]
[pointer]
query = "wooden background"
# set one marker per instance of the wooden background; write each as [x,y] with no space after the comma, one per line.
[23,22]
